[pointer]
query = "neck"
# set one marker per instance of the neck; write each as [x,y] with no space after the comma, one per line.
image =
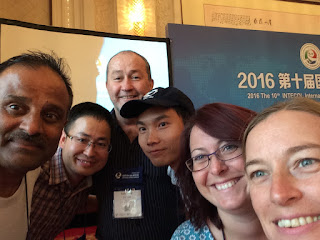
[74,179]
[128,125]
[9,182]
[174,166]
[243,226]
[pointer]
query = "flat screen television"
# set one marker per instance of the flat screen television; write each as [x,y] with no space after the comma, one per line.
[87,54]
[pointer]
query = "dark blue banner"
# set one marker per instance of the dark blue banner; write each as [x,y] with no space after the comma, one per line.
[249,68]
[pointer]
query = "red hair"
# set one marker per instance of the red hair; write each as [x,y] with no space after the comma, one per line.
[219,120]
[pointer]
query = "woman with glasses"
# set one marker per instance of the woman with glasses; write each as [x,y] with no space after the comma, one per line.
[212,178]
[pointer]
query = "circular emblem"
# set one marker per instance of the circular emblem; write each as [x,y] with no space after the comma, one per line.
[118,175]
[310,56]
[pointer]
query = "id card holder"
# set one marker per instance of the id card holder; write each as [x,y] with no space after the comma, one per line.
[127,194]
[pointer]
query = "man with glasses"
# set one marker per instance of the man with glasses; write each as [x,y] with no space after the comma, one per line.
[63,185]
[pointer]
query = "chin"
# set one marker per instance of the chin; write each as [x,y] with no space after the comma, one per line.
[157,164]
[235,204]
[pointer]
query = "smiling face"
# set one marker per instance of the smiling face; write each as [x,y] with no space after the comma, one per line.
[82,160]
[127,79]
[283,165]
[34,103]
[222,183]
[159,135]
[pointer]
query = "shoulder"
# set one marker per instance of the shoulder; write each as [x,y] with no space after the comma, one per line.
[187,231]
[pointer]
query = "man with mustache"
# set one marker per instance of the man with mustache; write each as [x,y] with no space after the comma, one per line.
[136,199]
[63,185]
[35,97]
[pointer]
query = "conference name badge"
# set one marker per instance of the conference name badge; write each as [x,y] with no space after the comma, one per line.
[127,204]
[127,194]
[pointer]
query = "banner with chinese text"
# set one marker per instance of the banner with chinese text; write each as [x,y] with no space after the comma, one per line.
[244,67]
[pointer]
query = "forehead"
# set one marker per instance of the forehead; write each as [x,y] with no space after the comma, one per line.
[90,125]
[41,84]
[285,128]
[127,60]
[39,76]
[198,137]
[287,120]
[198,132]
[154,114]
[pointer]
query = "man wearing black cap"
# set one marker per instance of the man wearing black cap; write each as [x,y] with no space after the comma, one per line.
[136,199]
[161,115]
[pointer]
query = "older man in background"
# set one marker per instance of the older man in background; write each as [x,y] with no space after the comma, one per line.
[135,198]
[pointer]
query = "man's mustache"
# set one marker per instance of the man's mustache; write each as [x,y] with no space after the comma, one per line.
[36,140]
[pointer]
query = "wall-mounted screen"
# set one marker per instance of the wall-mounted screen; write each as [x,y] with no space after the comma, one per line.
[87,53]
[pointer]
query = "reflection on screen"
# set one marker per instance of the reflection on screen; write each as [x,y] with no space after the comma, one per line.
[86,52]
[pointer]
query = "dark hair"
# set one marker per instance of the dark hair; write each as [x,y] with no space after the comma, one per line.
[36,59]
[222,121]
[142,57]
[88,109]
[185,115]
[295,104]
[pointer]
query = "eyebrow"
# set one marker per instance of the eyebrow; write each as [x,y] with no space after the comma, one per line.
[290,151]
[54,107]
[17,98]
[116,71]
[46,107]
[302,147]
[87,135]
[253,162]
[197,149]
[161,117]
[135,71]
[202,148]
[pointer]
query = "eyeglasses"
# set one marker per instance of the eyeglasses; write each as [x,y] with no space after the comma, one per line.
[86,142]
[227,152]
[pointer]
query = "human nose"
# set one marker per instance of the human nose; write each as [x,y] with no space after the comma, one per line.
[216,166]
[127,84]
[284,190]
[32,123]
[152,137]
[89,150]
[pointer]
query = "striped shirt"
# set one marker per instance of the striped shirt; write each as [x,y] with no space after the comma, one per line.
[54,201]
[160,198]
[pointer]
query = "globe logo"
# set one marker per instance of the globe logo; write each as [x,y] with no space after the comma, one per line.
[310,56]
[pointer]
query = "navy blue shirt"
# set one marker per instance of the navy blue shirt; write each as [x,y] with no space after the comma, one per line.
[161,199]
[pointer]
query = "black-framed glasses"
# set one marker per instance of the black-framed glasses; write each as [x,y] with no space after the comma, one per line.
[227,152]
[87,142]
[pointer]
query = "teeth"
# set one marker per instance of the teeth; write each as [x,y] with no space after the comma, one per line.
[302,221]
[226,185]
[128,97]
[297,222]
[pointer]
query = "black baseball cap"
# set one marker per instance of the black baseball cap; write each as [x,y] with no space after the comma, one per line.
[163,97]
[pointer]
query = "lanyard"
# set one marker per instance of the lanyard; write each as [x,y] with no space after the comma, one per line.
[27,201]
